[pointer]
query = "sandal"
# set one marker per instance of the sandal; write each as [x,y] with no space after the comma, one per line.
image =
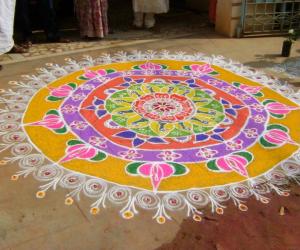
[27,44]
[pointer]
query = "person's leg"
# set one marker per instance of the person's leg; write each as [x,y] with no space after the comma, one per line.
[138,19]
[22,19]
[149,20]
[48,15]
[7,13]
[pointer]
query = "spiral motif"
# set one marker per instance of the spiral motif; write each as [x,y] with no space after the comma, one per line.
[291,167]
[21,149]
[94,187]
[13,137]
[198,197]
[48,172]
[11,116]
[240,191]
[20,98]
[173,201]
[260,186]
[72,180]
[220,194]
[119,195]
[277,177]
[33,160]
[27,92]
[9,126]
[147,200]
[17,106]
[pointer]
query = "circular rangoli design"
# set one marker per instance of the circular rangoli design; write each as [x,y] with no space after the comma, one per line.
[160,132]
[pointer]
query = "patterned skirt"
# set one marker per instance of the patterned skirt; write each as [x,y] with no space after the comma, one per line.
[92,17]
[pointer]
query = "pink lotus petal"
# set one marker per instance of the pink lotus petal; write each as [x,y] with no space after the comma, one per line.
[51,122]
[156,172]
[80,151]
[276,136]
[61,91]
[233,162]
[279,108]
[251,89]
[151,66]
[204,69]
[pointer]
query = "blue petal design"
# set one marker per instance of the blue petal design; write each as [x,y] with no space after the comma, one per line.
[201,137]
[193,85]
[137,142]
[224,102]
[90,108]
[190,81]
[127,79]
[237,106]
[231,111]
[126,134]
[98,101]
[140,80]
[101,112]
[156,140]
[219,130]
[217,137]
[175,81]
[126,84]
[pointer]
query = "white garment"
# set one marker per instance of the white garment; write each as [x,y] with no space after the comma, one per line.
[7,14]
[141,19]
[151,6]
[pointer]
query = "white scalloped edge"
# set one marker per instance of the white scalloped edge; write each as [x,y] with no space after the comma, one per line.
[32,162]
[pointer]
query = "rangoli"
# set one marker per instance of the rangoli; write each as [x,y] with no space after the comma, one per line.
[156,131]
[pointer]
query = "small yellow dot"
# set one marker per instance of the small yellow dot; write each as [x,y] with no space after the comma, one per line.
[128,215]
[197,217]
[243,207]
[3,162]
[264,200]
[14,177]
[220,210]
[40,194]
[161,220]
[95,210]
[69,201]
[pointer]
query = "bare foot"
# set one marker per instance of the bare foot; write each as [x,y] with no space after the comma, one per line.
[18,49]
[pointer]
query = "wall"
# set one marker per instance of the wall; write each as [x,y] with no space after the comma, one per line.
[228,17]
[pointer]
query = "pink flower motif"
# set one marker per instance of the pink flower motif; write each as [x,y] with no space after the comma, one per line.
[156,172]
[279,108]
[87,87]
[244,97]
[50,121]
[80,125]
[234,145]
[202,69]
[78,97]
[278,137]
[228,88]
[235,163]
[169,156]
[259,119]
[130,155]
[61,91]
[251,132]
[68,109]
[92,74]
[250,89]
[97,141]
[79,151]
[150,66]
[257,107]
[206,153]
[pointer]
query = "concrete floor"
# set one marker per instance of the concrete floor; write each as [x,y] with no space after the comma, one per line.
[28,223]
